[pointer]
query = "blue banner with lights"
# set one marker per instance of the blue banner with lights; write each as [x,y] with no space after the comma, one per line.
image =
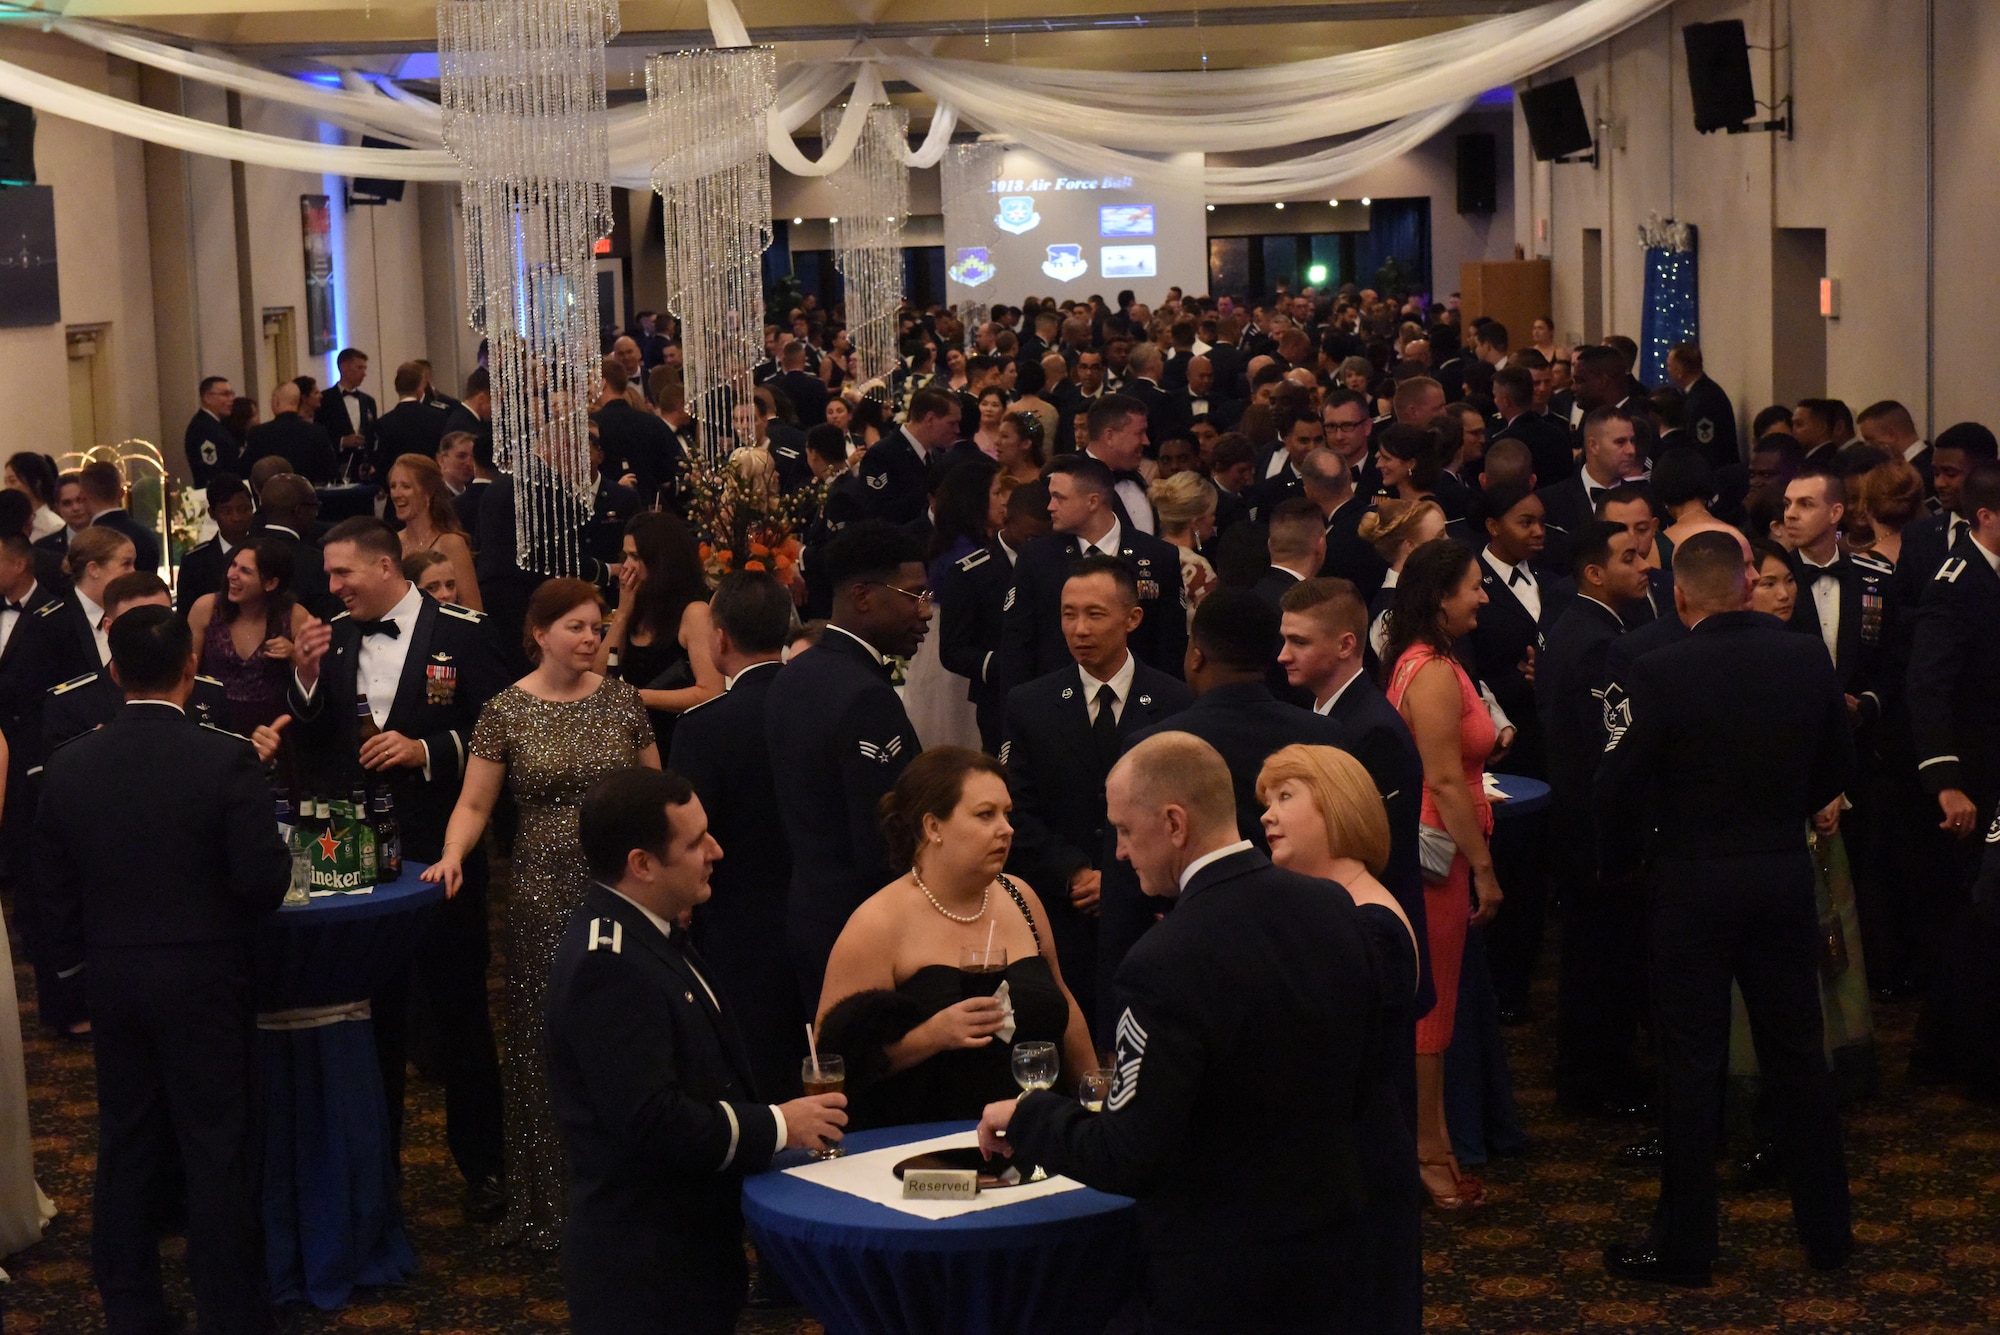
[1672,312]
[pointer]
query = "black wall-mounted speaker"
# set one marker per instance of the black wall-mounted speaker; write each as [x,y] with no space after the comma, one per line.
[1478,173]
[1557,126]
[17,143]
[1718,56]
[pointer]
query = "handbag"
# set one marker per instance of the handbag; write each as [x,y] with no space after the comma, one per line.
[1436,850]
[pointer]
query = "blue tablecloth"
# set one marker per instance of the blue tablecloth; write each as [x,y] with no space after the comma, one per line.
[332,1219]
[1059,1265]
[1524,795]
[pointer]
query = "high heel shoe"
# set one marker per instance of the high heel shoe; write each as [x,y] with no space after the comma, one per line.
[1466,1192]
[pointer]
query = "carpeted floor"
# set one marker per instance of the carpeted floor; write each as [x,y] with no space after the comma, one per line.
[1925,1167]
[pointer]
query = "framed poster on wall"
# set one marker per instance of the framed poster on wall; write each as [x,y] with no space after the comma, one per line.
[29,293]
[316,225]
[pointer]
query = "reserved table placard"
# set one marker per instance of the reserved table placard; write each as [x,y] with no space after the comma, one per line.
[871,1175]
[940,1184]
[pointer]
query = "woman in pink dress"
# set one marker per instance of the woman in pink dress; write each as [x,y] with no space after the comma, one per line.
[1437,603]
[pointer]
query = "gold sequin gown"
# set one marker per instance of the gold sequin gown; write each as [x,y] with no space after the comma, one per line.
[553,750]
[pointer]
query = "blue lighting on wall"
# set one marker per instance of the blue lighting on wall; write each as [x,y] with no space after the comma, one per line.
[335,190]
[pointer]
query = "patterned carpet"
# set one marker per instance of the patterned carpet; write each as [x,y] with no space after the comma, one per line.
[1925,1166]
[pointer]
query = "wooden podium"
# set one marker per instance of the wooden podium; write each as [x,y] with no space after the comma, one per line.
[1514,292]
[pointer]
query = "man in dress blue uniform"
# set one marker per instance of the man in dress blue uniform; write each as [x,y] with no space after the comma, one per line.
[893,470]
[208,443]
[1610,454]
[1735,738]
[387,693]
[1080,504]
[839,737]
[303,444]
[652,1086]
[234,510]
[157,890]
[1063,733]
[741,929]
[972,597]
[1711,418]
[1244,1024]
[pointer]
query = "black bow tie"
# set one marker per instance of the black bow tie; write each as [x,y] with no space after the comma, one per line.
[383,627]
[1809,573]
[1129,475]
[1520,576]
[11,606]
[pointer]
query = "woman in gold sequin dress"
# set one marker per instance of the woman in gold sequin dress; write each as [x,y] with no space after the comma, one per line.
[553,733]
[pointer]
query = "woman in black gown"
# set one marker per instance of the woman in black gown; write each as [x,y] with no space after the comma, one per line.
[660,637]
[922,1041]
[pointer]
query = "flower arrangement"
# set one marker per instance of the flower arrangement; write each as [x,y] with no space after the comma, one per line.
[743,521]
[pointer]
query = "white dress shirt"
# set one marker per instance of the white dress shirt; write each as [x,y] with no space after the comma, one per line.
[1519,579]
[1826,601]
[378,667]
[666,930]
[95,615]
[1334,699]
[873,652]
[1120,683]
[1108,544]
[1188,872]
[10,619]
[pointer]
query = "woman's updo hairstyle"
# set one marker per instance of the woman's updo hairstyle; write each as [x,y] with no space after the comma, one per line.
[931,786]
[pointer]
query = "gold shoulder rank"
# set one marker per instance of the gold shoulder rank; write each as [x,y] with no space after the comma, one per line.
[66,687]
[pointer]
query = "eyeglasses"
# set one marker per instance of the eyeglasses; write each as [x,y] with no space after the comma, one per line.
[922,597]
[1347,426]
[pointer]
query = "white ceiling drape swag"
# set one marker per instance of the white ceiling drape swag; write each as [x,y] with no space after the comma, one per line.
[1389,98]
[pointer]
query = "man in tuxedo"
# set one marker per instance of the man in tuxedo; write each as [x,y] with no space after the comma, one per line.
[386,694]
[806,390]
[1115,434]
[1821,427]
[1330,487]
[474,413]
[894,469]
[1198,396]
[1064,731]
[651,1083]
[1547,439]
[288,510]
[741,929]
[158,890]
[1610,454]
[1888,427]
[838,732]
[104,496]
[413,426]
[636,441]
[1080,504]
[208,444]
[1601,993]
[302,444]
[1260,979]
[348,414]
[971,598]
[1735,739]
[1325,628]
[233,510]
[1709,415]
[1301,431]
[1164,412]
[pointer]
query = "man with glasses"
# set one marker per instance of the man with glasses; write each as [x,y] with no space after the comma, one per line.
[1345,416]
[839,737]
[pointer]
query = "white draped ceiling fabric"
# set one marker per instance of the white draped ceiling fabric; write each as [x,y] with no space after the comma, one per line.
[1389,98]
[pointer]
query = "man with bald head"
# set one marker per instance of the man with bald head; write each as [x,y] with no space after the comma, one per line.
[1241,1039]
[1727,747]
[302,443]
[288,510]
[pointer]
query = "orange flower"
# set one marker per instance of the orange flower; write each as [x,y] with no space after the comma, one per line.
[704,551]
[759,549]
[753,565]
[726,555]
[784,560]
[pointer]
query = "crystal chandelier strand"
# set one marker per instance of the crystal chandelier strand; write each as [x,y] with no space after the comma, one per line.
[966,175]
[523,98]
[706,115]
[872,193]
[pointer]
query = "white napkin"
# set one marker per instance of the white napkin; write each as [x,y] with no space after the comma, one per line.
[1005,1033]
[1492,786]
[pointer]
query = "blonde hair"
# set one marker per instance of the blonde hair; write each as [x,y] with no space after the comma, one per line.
[1389,525]
[1891,493]
[432,494]
[1357,825]
[1182,499]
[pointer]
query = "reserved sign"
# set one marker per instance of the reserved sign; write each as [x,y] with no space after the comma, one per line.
[935,1184]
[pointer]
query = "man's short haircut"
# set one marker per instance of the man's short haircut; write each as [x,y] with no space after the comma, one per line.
[1669,405]
[1296,412]
[1090,475]
[1971,439]
[1109,413]
[1596,418]
[94,546]
[1627,350]
[1830,412]
[371,538]
[1414,390]
[1777,415]
[1180,769]
[1709,566]
[1626,493]
[102,482]
[1230,449]
[1590,545]
[346,355]
[1600,359]
[829,442]
[1341,398]
[150,647]
[1688,355]
[870,551]
[1270,373]
[1790,453]
[409,376]
[1236,629]
[755,609]
[16,510]
[1030,498]
[1831,487]
[933,401]
[130,589]
[613,371]
[1980,490]
[1120,573]
[1335,602]
[1508,462]
[479,382]
[1493,334]
[1296,525]
[1516,383]
[1890,411]
[209,382]
[624,811]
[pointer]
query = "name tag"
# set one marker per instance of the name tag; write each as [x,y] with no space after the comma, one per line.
[940,1184]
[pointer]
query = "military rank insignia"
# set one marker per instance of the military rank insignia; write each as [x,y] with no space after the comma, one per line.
[440,680]
[1149,589]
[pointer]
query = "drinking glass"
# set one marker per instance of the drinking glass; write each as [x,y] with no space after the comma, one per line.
[1094,1089]
[980,970]
[1035,1065]
[824,1075]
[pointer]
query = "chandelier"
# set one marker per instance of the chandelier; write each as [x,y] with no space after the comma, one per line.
[966,175]
[871,192]
[524,115]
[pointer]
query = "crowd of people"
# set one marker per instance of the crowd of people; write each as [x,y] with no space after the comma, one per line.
[1159,658]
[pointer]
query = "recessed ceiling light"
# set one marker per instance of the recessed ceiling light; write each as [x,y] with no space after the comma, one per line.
[1211,208]
[798,220]
[1365,201]
[1334,203]
[1280,204]
[833,220]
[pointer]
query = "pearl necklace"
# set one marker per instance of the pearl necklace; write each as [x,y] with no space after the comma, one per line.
[984,896]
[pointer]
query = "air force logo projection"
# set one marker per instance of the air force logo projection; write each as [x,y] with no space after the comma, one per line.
[1017,214]
[973,266]
[1065,264]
